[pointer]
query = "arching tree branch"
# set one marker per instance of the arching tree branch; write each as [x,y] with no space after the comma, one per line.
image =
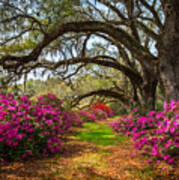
[140,52]
[99,60]
[103,92]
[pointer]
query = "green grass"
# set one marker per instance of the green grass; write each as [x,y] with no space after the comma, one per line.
[100,134]
[115,117]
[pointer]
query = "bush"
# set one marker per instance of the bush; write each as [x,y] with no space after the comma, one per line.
[86,116]
[101,110]
[75,117]
[157,133]
[52,100]
[28,129]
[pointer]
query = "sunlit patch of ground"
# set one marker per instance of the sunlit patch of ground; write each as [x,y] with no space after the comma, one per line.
[92,153]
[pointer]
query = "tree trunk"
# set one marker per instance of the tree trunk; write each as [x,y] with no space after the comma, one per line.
[25,83]
[150,84]
[169,51]
[149,93]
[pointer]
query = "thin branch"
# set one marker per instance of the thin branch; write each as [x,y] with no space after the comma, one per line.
[25,16]
[113,8]
[148,31]
[154,13]
[83,52]
[16,37]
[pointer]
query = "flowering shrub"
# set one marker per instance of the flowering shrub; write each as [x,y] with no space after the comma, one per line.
[87,116]
[140,108]
[70,117]
[99,114]
[52,100]
[28,129]
[98,111]
[102,108]
[157,133]
[75,118]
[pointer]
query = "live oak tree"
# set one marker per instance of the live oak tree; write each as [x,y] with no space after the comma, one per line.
[53,34]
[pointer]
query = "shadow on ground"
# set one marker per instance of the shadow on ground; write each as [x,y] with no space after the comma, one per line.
[92,152]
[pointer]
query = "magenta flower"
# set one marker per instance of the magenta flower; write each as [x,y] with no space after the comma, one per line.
[172,105]
[165,106]
[155,132]
[20,136]
[135,109]
[49,122]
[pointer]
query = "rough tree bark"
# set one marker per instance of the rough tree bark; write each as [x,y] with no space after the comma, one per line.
[169,51]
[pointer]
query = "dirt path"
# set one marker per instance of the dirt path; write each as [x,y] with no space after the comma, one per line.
[92,153]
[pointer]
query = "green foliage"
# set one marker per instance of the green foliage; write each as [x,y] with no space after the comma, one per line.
[159,106]
[3,85]
[34,18]
[118,108]
[27,23]
[141,108]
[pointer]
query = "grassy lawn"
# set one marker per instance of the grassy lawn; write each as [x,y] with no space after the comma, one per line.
[100,134]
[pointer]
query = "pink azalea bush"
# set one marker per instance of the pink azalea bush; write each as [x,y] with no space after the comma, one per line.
[77,121]
[99,114]
[71,117]
[156,133]
[87,116]
[31,129]
[96,112]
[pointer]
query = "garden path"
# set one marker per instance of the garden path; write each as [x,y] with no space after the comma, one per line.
[92,152]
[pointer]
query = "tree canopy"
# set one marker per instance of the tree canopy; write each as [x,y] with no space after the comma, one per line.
[133,37]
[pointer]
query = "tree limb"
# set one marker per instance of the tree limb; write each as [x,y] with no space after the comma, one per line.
[103,92]
[140,52]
